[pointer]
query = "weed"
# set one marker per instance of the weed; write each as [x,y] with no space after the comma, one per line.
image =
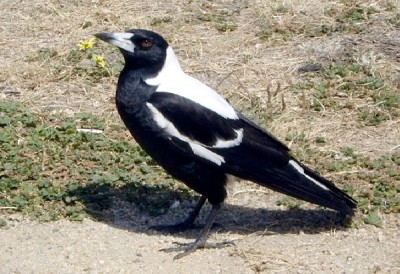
[83,61]
[2,223]
[374,185]
[373,218]
[395,20]
[352,19]
[339,86]
[225,26]
[161,20]
[222,20]
[281,9]
[289,203]
[51,170]
[320,141]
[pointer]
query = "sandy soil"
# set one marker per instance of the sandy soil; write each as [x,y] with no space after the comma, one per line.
[266,241]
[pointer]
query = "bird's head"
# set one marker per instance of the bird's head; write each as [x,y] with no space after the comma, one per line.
[140,48]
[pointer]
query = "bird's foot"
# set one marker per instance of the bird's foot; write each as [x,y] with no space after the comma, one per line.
[188,248]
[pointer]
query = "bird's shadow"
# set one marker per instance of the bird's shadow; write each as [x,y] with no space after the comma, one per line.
[138,209]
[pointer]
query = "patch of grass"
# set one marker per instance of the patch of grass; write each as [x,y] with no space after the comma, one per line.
[391,5]
[321,141]
[161,20]
[343,86]
[226,26]
[280,9]
[270,30]
[373,218]
[289,203]
[49,169]
[256,107]
[355,14]
[2,222]
[83,61]
[352,18]
[222,19]
[386,107]
[390,99]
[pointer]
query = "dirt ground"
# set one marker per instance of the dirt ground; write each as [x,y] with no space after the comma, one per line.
[268,238]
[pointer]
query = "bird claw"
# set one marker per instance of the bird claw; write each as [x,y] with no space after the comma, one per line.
[188,248]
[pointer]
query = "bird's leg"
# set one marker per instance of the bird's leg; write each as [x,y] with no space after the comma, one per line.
[201,241]
[187,223]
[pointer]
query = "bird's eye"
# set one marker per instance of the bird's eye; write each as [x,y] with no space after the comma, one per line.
[146,43]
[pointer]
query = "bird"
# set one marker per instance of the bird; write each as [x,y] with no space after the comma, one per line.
[196,136]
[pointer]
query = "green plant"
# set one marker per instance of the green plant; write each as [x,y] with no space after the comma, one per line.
[50,169]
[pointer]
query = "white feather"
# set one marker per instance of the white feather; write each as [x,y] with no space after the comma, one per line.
[207,154]
[174,80]
[301,170]
[165,124]
[230,143]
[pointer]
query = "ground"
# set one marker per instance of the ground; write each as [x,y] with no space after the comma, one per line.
[323,76]
[93,247]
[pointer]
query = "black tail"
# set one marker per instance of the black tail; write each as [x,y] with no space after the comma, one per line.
[316,189]
[265,160]
[299,181]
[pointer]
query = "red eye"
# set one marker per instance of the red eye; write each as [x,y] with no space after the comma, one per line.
[146,43]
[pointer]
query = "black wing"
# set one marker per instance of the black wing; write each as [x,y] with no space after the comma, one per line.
[238,139]
[192,120]
[257,155]
[257,134]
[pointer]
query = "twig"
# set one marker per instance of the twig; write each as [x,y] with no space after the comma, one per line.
[89,130]
[395,147]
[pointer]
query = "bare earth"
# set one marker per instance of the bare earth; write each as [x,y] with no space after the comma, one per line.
[268,238]
[266,241]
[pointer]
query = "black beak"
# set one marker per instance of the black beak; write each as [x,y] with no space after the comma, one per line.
[105,36]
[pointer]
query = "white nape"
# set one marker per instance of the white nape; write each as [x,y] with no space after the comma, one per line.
[173,79]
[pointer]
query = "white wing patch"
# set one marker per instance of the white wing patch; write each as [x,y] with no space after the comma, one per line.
[230,143]
[163,123]
[197,148]
[174,80]
[301,170]
[207,154]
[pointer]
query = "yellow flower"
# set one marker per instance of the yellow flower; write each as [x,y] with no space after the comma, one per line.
[99,60]
[84,45]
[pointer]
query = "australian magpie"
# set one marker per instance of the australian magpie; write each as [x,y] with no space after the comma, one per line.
[197,137]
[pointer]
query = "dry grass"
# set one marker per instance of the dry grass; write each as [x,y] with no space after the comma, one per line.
[249,51]
[244,66]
